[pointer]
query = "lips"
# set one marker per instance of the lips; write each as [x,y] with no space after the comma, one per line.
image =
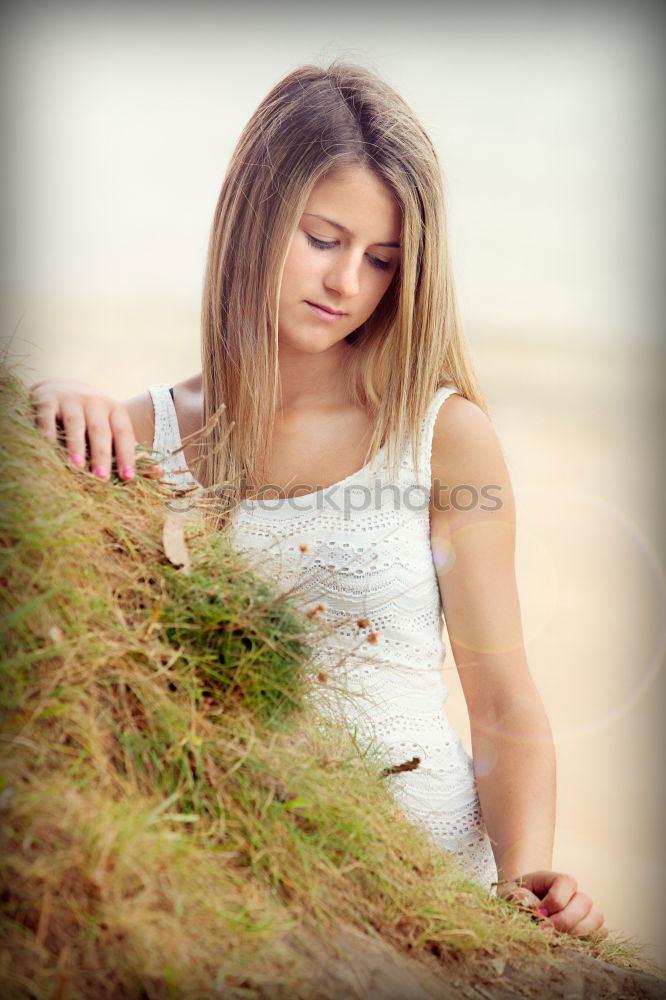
[325,309]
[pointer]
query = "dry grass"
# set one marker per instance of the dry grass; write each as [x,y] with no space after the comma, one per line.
[173,811]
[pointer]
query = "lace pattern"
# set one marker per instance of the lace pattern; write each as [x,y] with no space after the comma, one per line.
[361,548]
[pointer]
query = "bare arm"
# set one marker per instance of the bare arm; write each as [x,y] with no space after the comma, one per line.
[512,746]
[511,740]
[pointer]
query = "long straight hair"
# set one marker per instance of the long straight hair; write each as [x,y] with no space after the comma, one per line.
[314,122]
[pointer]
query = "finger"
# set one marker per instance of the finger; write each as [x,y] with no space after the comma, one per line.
[525,899]
[124,441]
[593,924]
[45,416]
[588,929]
[514,892]
[574,913]
[99,438]
[536,884]
[154,472]
[558,894]
[74,424]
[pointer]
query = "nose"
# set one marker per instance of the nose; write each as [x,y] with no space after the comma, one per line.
[343,276]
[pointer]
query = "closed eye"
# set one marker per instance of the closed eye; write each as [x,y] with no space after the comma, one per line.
[383,265]
[321,244]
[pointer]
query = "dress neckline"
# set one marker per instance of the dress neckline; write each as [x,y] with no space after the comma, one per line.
[272,500]
[324,489]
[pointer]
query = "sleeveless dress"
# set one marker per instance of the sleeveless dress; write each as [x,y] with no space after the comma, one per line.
[360,549]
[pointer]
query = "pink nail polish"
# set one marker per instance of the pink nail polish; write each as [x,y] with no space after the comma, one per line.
[544,913]
[101,472]
[127,471]
[77,460]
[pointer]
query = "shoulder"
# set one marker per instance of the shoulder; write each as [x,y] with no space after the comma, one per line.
[188,400]
[466,451]
[464,439]
[190,388]
[188,403]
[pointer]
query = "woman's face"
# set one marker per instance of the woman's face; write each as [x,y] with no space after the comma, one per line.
[342,258]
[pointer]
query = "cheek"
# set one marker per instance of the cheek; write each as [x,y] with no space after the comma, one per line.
[297,266]
[382,287]
[289,267]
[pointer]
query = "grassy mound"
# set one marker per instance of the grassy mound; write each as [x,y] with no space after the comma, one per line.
[175,817]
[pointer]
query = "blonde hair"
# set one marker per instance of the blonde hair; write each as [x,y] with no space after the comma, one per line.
[312,123]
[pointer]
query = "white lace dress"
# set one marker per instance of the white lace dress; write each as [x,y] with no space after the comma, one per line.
[361,548]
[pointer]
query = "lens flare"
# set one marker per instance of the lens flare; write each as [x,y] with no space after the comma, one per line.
[600,649]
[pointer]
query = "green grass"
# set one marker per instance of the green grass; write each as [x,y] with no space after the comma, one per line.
[175,814]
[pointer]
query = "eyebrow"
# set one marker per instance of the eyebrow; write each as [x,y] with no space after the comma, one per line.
[343,229]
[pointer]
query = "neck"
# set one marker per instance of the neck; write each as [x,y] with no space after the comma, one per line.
[312,381]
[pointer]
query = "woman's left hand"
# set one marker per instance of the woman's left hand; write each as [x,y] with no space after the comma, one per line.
[556,898]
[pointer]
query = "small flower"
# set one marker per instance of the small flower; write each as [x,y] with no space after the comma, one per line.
[304,548]
[373,637]
[363,623]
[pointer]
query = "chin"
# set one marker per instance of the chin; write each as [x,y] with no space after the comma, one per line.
[317,348]
[311,343]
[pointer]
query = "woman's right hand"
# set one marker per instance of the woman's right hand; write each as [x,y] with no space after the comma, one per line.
[85,414]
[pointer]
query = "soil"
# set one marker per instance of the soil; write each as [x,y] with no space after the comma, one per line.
[351,966]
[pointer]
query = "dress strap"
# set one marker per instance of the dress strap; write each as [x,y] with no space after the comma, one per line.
[427,431]
[167,437]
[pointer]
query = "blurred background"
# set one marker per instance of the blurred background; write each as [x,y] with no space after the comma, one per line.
[118,125]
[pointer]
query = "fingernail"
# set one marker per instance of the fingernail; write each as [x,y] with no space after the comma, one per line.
[544,913]
[77,460]
[101,472]
[127,471]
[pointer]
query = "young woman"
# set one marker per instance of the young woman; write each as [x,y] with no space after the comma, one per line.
[352,457]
